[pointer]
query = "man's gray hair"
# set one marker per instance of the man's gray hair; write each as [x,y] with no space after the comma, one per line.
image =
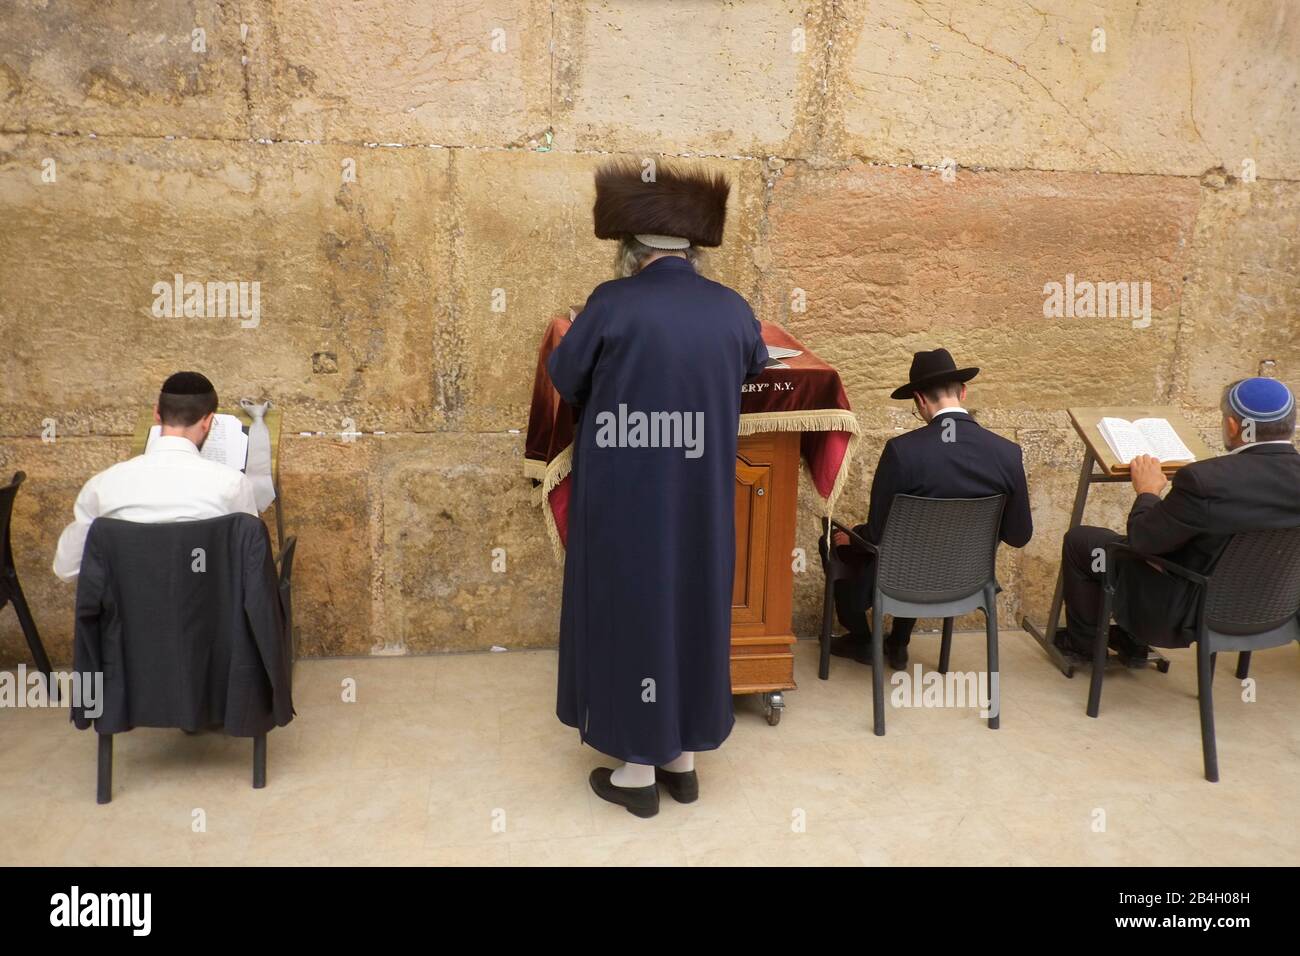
[632,255]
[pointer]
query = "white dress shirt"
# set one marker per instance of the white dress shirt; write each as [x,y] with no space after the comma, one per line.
[169,482]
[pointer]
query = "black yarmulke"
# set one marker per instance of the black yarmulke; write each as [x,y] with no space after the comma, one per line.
[187,383]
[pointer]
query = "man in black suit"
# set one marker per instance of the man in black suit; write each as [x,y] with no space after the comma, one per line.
[1254,487]
[951,457]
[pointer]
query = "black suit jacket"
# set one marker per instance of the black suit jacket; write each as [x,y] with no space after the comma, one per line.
[178,646]
[1208,501]
[976,463]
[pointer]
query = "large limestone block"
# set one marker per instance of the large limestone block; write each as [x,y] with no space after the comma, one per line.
[348,279]
[328,489]
[467,562]
[1242,305]
[332,503]
[893,260]
[55,470]
[123,67]
[402,71]
[705,77]
[1183,85]
[524,252]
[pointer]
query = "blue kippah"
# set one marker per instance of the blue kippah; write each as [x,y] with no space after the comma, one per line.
[1261,400]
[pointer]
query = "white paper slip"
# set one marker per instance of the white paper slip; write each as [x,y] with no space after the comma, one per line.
[1145,436]
[777,352]
[226,443]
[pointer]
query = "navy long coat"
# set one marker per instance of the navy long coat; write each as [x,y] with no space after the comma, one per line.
[646,620]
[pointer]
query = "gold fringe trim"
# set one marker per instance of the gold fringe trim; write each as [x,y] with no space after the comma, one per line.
[821,420]
[753,423]
[555,473]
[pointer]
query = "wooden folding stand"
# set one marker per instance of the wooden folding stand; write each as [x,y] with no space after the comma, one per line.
[1097,454]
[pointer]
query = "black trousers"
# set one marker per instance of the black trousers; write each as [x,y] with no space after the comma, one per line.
[853,595]
[1084,572]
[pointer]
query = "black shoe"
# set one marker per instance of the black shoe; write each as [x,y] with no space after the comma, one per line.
[682,787]
[639,801]
[896,654]
[1117,639]
[854,646]
[1130,652]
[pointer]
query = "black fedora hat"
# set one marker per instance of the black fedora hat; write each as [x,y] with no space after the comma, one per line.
[930,369]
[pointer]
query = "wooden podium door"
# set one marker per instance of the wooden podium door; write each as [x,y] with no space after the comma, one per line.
[762,645]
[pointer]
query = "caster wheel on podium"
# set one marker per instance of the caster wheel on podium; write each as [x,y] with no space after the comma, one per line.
[773,704]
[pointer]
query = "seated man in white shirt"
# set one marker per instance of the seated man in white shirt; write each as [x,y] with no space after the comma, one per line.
[169,482]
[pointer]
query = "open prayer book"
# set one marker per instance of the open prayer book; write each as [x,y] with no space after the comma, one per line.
[227,443]
[775,354]
[1145,436]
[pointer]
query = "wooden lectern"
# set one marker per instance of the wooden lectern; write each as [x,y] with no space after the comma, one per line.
[1100,466]
[762,642]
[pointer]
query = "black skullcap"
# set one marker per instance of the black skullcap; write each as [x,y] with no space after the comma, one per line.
[187,383]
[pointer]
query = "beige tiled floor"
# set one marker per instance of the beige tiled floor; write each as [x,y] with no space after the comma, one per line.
[460,760]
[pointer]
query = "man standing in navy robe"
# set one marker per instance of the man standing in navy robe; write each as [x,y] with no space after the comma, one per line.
[653,367]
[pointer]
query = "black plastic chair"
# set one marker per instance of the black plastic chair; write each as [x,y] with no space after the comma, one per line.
[10,589]
[286,588]
[936,559]
[283,584]
[1248,602]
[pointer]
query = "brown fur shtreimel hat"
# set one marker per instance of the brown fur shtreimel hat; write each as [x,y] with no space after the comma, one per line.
[679,201]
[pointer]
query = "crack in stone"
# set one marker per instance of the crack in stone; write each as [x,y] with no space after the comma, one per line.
[1092,134]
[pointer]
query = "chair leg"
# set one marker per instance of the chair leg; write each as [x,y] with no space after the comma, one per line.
[878,667]
[1214,664]
[104,775]
[1243,665]
[1204,682]
[945,648]
[828,609]
[995,681]
[28,624]
[1099,654]
[259,761]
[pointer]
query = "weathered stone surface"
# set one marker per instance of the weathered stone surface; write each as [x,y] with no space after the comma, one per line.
[377,295]
[896,260]
[713,78]
[449,503]
[524,246]
[1242,304]
[332,498]
[55,473]
[398,71]
[1181,87]
[128,68]
[351,279]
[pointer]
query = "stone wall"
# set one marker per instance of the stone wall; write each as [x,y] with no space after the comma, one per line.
[919,168]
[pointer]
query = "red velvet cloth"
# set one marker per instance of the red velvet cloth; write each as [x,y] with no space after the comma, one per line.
[808,386]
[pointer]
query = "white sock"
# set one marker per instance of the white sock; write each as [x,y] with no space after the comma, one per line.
[683,764]
[633,775]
